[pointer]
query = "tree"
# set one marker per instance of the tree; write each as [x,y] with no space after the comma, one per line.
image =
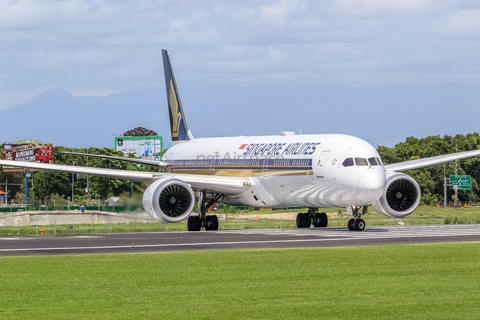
[430,178]
[140,132]
[12,177]
[48,183]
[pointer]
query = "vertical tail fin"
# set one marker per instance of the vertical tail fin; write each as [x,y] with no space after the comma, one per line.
[178,121]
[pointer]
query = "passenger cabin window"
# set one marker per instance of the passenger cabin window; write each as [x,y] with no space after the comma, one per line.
[361,162]
[373,161]
[348,162]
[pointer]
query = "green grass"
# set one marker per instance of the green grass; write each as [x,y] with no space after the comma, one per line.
[425,281]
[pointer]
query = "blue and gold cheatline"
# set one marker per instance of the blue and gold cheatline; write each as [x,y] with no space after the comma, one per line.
[178,120]
[233,167]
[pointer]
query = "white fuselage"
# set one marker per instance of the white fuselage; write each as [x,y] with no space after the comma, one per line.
[288,171]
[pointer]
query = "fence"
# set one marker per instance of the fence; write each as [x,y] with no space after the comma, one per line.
[20,208]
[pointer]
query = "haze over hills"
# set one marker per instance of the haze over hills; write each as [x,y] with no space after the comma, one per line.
[380,115]
[58,117]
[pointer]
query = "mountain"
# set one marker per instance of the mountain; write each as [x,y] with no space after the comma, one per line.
[57,117]
[382,115]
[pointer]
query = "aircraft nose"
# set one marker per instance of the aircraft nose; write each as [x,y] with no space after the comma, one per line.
[371,185]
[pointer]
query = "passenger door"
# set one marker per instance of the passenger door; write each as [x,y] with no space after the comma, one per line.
[322,160]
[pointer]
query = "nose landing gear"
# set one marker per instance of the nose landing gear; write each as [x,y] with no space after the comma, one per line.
[357,224]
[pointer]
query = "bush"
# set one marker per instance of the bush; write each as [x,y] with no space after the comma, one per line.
[429,199]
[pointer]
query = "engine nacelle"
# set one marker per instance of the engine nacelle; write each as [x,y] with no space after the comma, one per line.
[401,196]
[169,200]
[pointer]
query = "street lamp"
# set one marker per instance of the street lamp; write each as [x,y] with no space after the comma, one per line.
[97,197]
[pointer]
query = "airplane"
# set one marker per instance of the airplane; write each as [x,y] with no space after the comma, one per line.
[278,171]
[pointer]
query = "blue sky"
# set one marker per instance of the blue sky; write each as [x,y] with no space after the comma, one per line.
[101,47]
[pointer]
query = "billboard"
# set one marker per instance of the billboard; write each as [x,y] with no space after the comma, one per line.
[143,147]
[31,152]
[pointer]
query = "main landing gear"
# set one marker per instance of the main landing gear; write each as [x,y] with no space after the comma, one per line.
[357,224]
[195,223]
[305,220]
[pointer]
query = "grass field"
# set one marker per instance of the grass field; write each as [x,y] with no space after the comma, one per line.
[425,281]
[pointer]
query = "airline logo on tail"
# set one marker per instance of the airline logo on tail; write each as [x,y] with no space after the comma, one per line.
[175,115]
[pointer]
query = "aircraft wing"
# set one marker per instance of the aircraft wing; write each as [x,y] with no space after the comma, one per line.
[141,161]
[106,173]
[226,185]
[420,163]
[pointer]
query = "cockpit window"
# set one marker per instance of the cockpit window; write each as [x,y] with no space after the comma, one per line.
[380,161]
[373,161]
[361,162]
[348,162]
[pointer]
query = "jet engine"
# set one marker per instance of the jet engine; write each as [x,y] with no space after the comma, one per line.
[169,200]
[401,196]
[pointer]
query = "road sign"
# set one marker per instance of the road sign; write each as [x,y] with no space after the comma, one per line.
[461,182]
[2,198]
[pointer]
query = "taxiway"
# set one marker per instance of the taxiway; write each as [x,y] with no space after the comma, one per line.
[233,239]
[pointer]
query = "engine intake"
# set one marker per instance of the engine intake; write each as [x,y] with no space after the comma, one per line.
[169,200]
[401,196]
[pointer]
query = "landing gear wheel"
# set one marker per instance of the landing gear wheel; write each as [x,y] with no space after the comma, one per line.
[211,223]
[208,223]
[323,220]
[359,225]
[194,223]
[320,220]
[214,223]
[307,220]
[300,220]
[303,220]
[317,220]
[350,224]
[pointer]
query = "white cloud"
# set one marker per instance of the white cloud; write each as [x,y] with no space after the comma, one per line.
[383,7]
[111,46]
[462,24]
[276,13]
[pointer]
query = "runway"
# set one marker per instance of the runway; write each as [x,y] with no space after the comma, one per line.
[233,239]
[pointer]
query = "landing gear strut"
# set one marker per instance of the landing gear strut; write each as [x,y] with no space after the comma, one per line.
[305,220]
[195,223]
[357,224]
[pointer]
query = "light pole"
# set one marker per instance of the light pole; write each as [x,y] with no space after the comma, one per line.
[73,186]
[88,184]
[97,197]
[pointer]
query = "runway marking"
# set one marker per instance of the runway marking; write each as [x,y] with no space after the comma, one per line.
[168,245]
[86,237]
[375,232]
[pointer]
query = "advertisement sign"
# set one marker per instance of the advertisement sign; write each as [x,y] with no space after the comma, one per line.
[143,147]
[32,152]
